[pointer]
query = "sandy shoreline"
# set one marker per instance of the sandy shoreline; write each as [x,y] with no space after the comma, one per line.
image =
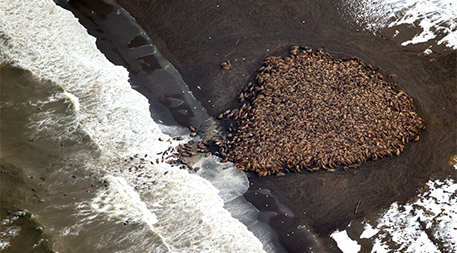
[197,37]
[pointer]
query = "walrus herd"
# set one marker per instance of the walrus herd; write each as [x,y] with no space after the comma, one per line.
[309,111]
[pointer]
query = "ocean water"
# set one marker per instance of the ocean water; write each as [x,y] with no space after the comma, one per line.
[82,159]
[79,149]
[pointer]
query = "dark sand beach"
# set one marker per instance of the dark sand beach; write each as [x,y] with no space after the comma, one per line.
[197,36]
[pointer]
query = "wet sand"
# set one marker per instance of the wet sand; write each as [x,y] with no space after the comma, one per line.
[197,36]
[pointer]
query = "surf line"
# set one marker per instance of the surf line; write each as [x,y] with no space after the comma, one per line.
[124,42]
[170,99]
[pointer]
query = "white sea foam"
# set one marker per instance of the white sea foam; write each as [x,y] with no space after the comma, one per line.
[436,19]
[74,100]
[183,209]
[9,230]
[121,198]
[63,126]
[7,233]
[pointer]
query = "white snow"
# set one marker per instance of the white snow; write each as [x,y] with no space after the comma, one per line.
[426,225]
[436,20]
[345,244]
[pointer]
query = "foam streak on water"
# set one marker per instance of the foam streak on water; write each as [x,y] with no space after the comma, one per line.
[436,19]
[183,210]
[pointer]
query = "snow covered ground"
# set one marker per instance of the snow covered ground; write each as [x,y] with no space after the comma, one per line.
[428,224]
[435,20]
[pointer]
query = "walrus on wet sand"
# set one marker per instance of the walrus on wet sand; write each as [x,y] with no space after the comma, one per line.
[310,111]
[197,36]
